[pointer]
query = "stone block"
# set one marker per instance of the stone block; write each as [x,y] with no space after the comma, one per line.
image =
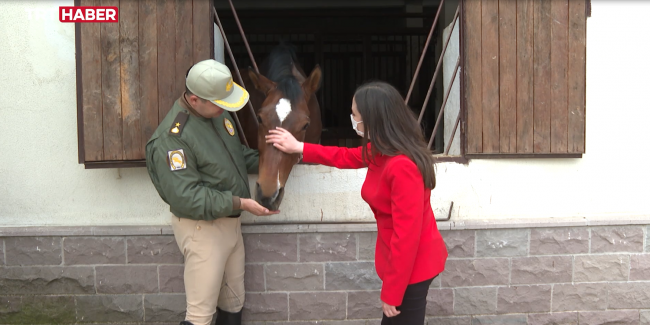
[364,304]
[463,320]
[569,318]
[586,296]
[645,317]
[266,307]
[254,278]
[37,310]
[328,247]
[351,276]
[500,320]
[618,317]
[558,241]
[127,279]
[271,247]
[629,295]
[317,306]
[47,280]
[153,250]
[172,278]
[541,269]
[475,301]
[94,250]
[367,244]
[294,277]
[617,239]
[33,251]
[460,243]
[502,243]
[440,302]
[164,308]
[110,309]
[595,268]
[640,267]
[524,299]
[477,272]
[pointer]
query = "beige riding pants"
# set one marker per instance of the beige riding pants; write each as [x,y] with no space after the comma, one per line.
[214,266]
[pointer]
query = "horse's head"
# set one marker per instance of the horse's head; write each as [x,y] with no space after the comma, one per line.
[286,106]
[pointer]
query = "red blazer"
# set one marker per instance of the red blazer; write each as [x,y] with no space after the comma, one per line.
[409,247]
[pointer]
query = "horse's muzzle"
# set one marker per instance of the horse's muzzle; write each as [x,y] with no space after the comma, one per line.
[270,202]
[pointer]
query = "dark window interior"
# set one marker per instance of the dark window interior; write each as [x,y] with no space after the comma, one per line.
[352,45]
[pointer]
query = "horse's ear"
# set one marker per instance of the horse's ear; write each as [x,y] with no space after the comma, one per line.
[312,83]
[261,82]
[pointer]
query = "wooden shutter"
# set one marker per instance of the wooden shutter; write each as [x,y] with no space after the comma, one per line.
[130,73]
[524,70]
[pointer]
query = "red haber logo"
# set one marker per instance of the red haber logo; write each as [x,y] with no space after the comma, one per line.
[88,14]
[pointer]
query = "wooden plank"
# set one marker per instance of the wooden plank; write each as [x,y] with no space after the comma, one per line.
[559,67]
[148,36]
[542,75]
[111,93]
[202,22]
[184,53]
[577,76]
[525,76]
[472,67]
[166,16]
[508,76]
[130,81]
[490,74]
[91,76]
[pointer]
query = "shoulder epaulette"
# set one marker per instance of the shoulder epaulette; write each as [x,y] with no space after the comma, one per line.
[179,123]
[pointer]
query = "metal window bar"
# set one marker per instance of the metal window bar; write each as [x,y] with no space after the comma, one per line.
[433,80]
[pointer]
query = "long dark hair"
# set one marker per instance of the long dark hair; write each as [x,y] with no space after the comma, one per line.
[393,128]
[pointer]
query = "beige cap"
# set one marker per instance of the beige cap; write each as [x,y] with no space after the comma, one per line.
[211,80]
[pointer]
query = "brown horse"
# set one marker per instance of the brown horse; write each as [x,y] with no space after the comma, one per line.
[282,95]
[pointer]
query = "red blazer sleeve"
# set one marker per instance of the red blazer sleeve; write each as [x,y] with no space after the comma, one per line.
[342,158]
[407,205]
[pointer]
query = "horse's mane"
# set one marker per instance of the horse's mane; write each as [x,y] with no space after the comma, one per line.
[278,68]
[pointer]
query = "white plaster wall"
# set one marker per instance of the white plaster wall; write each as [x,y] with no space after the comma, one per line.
[42,184]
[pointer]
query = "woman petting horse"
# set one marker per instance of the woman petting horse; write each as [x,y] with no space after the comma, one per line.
[410,251]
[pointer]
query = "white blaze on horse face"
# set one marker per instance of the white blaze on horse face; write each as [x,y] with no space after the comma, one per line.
[283,108]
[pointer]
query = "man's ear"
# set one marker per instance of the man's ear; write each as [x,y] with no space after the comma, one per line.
[261,82]
[312,83]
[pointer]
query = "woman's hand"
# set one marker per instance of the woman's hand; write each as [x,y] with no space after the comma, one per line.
[284,141]
[389,311]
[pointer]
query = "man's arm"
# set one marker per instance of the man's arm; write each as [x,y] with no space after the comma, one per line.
[252,158]
[180,185]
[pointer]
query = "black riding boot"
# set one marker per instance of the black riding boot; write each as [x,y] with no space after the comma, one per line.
[226,318]
[186,323]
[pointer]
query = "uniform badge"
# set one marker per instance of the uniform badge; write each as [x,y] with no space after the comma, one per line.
[228,125]
[175,128]
[229,85]
[176,159]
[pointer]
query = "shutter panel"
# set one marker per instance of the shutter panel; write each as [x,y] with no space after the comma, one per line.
[524,70]
[130,73]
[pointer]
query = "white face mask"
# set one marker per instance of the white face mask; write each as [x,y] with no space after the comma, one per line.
[354,125]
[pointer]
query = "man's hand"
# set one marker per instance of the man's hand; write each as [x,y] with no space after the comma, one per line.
[255,208]
[389,310]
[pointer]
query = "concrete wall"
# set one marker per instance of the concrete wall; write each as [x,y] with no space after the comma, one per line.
[42,184]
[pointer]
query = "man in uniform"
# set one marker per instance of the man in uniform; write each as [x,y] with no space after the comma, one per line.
[200,168]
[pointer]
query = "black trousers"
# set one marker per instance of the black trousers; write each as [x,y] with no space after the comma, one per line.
[414,305]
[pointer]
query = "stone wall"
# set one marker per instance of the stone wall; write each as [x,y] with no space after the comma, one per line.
[558,275]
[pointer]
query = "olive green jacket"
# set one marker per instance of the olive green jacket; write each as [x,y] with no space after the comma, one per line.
[198,166]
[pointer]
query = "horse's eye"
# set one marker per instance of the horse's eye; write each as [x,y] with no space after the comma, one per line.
[259,119]
[305,127]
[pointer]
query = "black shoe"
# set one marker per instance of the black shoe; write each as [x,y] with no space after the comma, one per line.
[226,318]
[185,323]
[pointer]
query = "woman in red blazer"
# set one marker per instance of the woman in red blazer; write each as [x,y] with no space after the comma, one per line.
[410,251]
